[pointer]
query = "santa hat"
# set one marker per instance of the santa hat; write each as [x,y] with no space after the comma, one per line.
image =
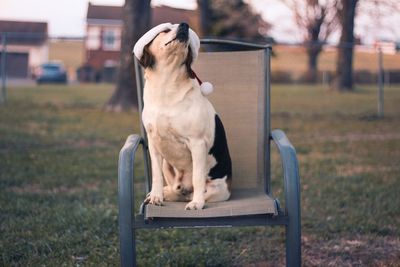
[194,41]
[205,87]
[194,44]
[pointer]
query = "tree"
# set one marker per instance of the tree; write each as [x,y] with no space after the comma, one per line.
[348,9]
[383,13]
[232,19]
[206,16]
[344,66]
[316,20]
[136,17]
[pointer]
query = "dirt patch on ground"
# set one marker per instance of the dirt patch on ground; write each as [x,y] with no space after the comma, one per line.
[82,143]
[360,250]
[354,137]
[350,170]
[38,189]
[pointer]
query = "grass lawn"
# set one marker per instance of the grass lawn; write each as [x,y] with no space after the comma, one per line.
[58,183]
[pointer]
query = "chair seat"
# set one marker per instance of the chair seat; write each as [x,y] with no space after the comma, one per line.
[242,202]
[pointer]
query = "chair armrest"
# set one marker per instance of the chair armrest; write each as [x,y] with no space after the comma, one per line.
[292,197]
[125,169]
[126,195]
[290,173]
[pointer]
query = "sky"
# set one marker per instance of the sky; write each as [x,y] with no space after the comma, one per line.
[67,17]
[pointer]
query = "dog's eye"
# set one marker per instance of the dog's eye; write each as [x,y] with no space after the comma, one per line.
[167,30]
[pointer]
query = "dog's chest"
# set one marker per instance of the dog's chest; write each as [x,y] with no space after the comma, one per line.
[166,131]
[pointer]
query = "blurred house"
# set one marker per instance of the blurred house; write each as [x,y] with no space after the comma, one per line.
[103,37]
[26,46]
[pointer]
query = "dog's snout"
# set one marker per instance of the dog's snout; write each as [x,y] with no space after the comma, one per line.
[182,34]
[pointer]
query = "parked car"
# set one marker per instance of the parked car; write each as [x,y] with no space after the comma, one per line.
[52,72]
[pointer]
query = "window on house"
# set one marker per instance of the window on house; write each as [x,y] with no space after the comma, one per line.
[111,39]
[93,38]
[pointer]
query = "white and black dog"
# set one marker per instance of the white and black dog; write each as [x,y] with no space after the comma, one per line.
[186,138]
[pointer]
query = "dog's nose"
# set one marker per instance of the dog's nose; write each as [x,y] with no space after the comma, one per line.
[183,25]
[182,34]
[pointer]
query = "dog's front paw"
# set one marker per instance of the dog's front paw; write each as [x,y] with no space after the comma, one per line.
[195,205]
[154,198]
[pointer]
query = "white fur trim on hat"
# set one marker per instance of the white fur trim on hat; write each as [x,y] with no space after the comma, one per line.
[194,41]
[148,37]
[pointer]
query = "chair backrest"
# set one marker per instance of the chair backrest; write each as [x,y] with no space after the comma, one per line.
[241,98]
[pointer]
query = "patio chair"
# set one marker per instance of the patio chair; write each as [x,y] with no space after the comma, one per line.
[242,98]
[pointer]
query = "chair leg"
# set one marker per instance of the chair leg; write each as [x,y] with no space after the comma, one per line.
[128,249]
[293,243]
[125,201]
[292,197]
[293,228]
[126,231]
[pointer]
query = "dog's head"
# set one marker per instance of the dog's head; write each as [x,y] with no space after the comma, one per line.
[168,44]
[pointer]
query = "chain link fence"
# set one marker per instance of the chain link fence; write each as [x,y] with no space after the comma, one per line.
[291,64]
[95,58]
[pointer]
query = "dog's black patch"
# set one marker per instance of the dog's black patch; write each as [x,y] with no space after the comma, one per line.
[147,60]
[188,64]
[220,152]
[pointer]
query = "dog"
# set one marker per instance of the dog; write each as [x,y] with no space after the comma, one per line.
[186,138]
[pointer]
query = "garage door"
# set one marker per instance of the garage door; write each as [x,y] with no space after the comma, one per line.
[16,64]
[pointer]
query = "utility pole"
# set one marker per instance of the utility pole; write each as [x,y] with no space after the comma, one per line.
[3,98]
[380,84]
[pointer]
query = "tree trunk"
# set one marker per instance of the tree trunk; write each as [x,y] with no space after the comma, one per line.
[344,67]
[314,47]
[313,51]
[205,17]
[136,17]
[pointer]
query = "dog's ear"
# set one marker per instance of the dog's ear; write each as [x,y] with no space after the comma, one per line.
[188,63]
[147,60]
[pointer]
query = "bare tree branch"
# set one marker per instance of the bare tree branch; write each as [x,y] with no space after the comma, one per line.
[316,20]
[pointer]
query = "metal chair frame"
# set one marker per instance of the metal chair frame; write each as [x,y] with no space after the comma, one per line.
[289,217]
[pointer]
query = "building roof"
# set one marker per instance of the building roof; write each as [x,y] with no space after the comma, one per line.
[163,14]
[160,15]
[104,12]
[24,32]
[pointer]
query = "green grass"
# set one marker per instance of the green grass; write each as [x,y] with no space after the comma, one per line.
[58,183]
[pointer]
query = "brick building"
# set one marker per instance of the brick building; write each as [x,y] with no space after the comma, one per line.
[26,46]
[103,36]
